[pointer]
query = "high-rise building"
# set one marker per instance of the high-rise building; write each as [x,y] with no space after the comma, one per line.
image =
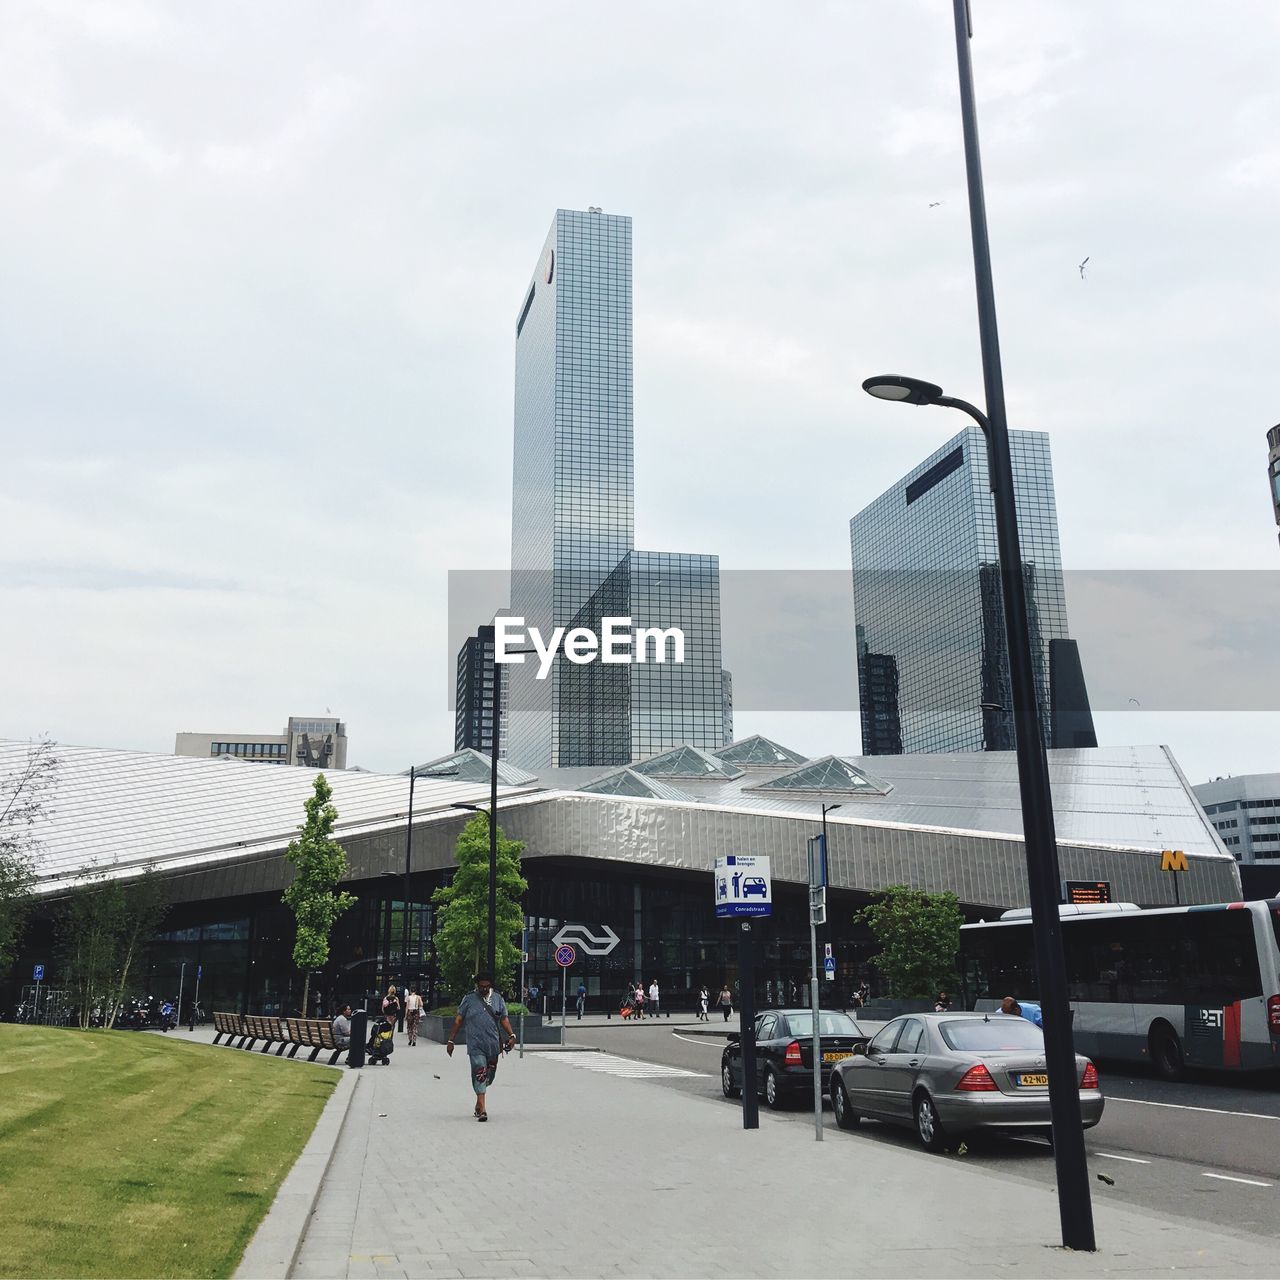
[473,717]
[573,556]
[933,668]
[317,743]
[1245,812]
[1273,468]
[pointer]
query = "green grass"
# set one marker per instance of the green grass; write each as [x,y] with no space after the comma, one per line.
[128,1154]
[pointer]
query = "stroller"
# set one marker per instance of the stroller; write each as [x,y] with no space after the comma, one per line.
[381,1045]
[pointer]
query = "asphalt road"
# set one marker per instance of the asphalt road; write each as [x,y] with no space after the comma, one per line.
[1207,1149]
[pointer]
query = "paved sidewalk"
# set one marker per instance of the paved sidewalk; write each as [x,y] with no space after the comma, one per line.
[585,1173]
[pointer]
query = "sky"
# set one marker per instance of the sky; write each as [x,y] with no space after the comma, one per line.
[260,268]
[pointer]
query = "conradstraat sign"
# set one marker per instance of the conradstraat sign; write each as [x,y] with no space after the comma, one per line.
[618,642]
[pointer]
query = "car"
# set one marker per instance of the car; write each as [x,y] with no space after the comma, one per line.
[754,887]
[948,1074]
[784,1053]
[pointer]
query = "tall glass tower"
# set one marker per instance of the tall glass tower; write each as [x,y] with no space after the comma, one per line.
[573,557]
[933,666]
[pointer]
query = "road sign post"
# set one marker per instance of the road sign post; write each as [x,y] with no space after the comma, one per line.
[565,956]
[524,993]
[37,976]
[744,890]
[1175,861]
[817,916]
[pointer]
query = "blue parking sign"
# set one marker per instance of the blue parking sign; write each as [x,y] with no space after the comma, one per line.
[38,973]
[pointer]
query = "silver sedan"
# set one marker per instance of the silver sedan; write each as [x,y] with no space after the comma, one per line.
[947,1074]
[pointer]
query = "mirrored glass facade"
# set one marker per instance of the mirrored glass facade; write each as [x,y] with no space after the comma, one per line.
[572,540]
[930,620]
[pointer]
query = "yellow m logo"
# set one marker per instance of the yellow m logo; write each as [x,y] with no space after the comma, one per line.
[1173,860]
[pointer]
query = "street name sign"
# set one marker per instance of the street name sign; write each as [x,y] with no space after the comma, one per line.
[565,956]
[743,886]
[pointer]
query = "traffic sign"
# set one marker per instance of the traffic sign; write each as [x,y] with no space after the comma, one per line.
[199,972]
[829,968]
[743,886]
[827,950]
[37,974]
[565,956]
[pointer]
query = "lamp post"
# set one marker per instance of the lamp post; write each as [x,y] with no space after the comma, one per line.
[1043,878]
[826,809]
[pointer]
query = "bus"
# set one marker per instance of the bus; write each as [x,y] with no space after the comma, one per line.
[1176,987]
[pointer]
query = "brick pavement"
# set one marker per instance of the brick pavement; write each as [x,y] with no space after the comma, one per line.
[585,1174]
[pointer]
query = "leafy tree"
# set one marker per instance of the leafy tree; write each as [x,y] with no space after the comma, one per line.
[321,862]
[103,927]
[24,800]
[919,936]
[462,909]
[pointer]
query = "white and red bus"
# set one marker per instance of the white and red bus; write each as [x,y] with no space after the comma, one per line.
[1178,986]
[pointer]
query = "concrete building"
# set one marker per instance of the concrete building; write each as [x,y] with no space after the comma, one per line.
[932,654]
[316,743]
[1245,812]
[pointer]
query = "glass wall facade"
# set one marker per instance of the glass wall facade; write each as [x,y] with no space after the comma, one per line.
[930,617]
[573,522]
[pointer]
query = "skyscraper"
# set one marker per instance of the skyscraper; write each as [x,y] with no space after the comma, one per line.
[933,669]
[473,716]
[573,557]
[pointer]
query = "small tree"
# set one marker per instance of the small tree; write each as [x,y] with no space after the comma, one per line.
[24,800]
[919,936]
[462,908]
[321,862]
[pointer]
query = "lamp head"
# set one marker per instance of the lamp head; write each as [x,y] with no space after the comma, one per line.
[889,386]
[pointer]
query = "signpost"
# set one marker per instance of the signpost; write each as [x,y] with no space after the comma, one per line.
[817,916]
[524,992]
[565,956]
[37,976]
[744,890]
[1174,860]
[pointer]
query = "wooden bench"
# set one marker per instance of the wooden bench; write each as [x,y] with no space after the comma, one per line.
[247,1030]
[230,1025]
[314,1034]
[267,1029]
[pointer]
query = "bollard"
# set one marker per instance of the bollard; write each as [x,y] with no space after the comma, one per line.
[359,1034]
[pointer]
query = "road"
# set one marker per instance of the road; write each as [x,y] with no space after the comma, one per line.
[1207,1149]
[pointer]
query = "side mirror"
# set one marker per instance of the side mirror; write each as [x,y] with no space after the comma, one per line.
[860,1050]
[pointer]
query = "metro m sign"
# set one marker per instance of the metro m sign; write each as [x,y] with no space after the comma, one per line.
[1173,860]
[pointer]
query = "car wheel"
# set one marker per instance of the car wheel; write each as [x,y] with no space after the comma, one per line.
[1166,1052]
[928,1127]
[773,1094]
[846,1116]
[731,1090]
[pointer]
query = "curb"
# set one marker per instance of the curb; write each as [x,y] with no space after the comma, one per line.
[275,1244]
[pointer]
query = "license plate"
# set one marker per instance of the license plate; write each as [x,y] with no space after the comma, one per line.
[1033,1079]
[836,1057]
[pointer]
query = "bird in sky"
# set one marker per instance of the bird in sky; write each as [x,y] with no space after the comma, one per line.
[1082,268]
[933,204]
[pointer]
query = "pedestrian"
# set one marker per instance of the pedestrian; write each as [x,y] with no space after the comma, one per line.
[342,1028]
[704,998]
[412,1014]
[391,1006]
[482,1012]
[725,1001]
[637,1000]
[654,996]
[943,1003]
[582,1000]
[864,994]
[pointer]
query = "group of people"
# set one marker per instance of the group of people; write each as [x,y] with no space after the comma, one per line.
[382,1029]
[637,1002]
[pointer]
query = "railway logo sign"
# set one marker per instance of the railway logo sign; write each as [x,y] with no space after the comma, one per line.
[565,956]
[585,937]
[743,886]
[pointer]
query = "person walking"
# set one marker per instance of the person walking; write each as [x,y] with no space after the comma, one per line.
[582,1000]
[637,1000]
[391,1006]
[704,998]
[412,1014]
[654,997]
[482,1012]
[725,1001]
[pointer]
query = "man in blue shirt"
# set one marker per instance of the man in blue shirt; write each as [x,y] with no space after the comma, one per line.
[482,1012]
[1030,1010]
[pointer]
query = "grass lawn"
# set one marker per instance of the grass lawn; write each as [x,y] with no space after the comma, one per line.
[129,1154]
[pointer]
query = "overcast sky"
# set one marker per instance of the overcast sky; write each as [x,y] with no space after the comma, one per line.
[261,268]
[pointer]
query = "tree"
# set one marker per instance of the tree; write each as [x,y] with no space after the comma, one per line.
[24,800]
[919,936]
[462,908]
[103,928]
[321,862]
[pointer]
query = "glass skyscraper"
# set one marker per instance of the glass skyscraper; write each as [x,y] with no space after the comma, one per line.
[573,557]
[933,668]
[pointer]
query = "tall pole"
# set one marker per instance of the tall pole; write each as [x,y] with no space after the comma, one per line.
[404,937]
[813,1004]
[1074,1207]
[493,815]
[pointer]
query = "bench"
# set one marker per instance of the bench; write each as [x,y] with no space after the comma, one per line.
[248,1029]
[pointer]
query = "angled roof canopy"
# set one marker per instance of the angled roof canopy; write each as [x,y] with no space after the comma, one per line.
[757,751]
[686,762]
[469,765]
[830,774]
[627,782]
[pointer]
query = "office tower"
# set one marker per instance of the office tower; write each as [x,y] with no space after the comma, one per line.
[1273,468]
[316,743]
[573,552]
[1245,811]
[932,653]
[473,715]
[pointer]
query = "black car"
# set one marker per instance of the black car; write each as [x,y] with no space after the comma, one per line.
[784,1053]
